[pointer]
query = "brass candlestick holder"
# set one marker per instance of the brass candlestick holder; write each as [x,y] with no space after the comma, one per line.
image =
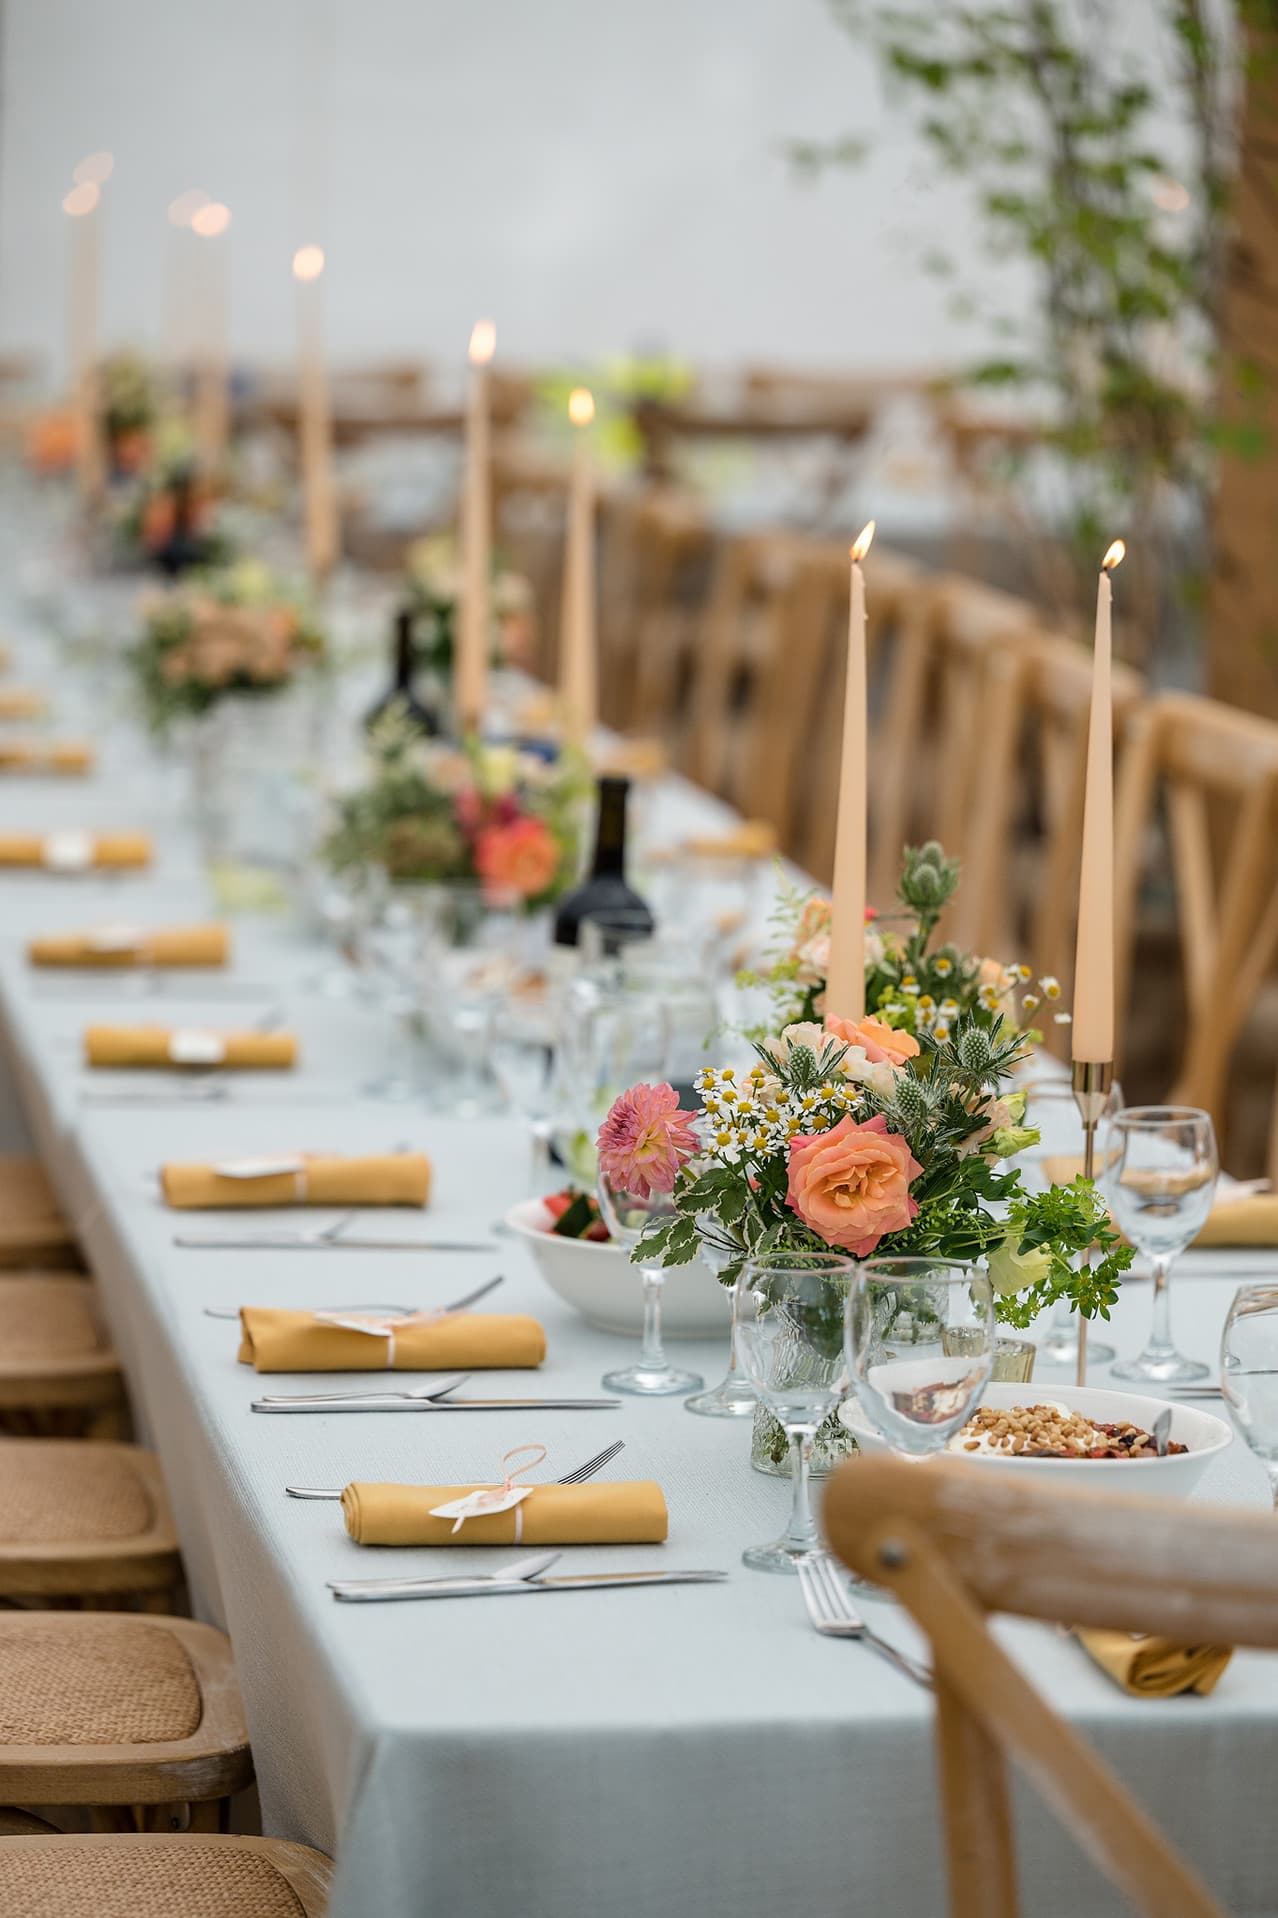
[1092,1080]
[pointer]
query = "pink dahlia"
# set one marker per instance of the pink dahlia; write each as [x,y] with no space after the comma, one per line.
[645,1139]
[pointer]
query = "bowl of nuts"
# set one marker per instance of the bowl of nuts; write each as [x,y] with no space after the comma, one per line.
[1067,1431]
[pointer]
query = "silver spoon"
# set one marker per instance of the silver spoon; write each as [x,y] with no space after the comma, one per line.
[439,1390]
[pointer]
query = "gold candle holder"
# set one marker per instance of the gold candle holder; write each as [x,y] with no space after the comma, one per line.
[1092,1080]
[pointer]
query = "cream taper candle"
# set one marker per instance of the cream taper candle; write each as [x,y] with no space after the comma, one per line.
[81,205]
[845,974]
[578,673]
[473,634]
[319,494]
[1093,1035]
[213,394]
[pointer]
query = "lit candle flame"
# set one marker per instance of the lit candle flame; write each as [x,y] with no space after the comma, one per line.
[81,199]
[581,406]
[94,170]
[864,540]
[184,209]
[1114,557]
[211,220]
[308,262]
[483,342]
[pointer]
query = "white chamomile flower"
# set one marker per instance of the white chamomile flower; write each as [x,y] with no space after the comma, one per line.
[1050,987]
[1030,1002]
[942,967]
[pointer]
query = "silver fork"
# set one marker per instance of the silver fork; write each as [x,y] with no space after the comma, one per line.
[833,1614]
[579,1477]
[398,1311]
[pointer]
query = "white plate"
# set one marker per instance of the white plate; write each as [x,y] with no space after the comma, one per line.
[1172,1477]
[600,1282]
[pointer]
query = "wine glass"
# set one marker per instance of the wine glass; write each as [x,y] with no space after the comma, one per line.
[522,1053]
[1160,1180]
[733,1397]
[921,1335]
[1050,1105]
[1249,1372]
[790,1308]
[626,1216]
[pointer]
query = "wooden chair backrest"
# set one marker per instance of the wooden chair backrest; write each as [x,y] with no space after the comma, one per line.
[655,543]
[813,633]
[1216,770]
[1036,704]
[953,1545]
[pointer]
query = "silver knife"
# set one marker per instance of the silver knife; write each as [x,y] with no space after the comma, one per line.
[370,1590]
[387,1403]
[305,1242]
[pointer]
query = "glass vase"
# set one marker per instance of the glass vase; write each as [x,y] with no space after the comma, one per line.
[770,1448]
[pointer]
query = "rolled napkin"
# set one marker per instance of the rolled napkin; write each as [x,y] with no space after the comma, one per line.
[630,1513]
[71,851]
[1243,1218]
[301,1178]
[187,1046]
[272,1340]
[1155,1667]
[114,946]
[752,839]
[22,702]
[25,756]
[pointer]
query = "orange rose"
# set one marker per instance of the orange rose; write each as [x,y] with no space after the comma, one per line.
[521,858]
[881,1042]
[851,1185]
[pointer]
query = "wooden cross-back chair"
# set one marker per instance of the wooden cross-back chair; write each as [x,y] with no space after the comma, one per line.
[653,562]
[812,638]
[1021,839]
[954,1545]
[1215,770]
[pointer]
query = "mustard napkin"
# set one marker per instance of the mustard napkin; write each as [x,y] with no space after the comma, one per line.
[752,839]
[1251,1220]
[67,851]
[1156,1667]
[276,1341]
[187,1046]
[21,702]
[24,756]
[598,1513]
[396,1178]
[115,947]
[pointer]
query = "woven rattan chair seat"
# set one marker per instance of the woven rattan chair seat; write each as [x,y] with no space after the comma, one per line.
[119,1683]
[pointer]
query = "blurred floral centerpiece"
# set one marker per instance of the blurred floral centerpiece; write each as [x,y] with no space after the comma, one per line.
[434,588]
[237,633]
[432,811]
[168,517]
[130,409]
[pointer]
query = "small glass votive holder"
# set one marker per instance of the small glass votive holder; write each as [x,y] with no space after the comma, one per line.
[1013,1358]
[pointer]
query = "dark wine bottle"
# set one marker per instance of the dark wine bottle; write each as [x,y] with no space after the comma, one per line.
[182,548]
[605,896]
[401,693]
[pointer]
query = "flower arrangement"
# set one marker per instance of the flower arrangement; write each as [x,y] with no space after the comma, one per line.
[434,588]
[909,983]
[891,1134]
[235,633]
[434,811]
[169,517]
[130,408]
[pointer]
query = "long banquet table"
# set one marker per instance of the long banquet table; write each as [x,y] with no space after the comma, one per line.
[611,1754]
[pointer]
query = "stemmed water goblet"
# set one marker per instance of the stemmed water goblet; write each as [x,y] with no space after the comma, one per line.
[733,1397]
[1160,1180]
[921,1337]
[1249,1372]
[627,1216]
[790,1311]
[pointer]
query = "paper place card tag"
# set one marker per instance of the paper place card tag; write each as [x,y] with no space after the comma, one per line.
[492,1498]
[196,1046]
[262,1168]
[114,939]
[68,851]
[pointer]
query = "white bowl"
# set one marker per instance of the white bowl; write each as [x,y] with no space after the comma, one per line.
[1172,1477]
[600,1282]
